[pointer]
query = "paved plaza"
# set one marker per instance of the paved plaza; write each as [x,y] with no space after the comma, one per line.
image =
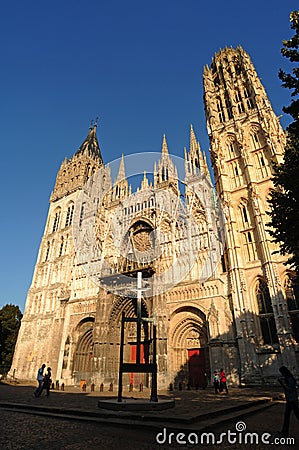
[71,419]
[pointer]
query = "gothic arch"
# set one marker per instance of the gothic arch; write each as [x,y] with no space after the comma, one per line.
[264,310]
[83,354]
[231,146]
[188,346]
[128,306]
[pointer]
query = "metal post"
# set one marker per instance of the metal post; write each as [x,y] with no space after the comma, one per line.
[154,395]
[121,359]
[139,287]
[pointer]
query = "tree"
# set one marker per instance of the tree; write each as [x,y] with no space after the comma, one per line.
[284,199]
[10,321]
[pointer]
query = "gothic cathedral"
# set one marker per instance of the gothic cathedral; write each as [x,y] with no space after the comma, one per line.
[217,290]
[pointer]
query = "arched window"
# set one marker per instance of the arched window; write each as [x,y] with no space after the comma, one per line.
[249,244]
[61,246]
[239,102]
[249,100]
[266,316]
[81,214]
[56,221]
[164,173]
[255,142]
[261,164]
[291,288]
[220,110]
[47,251]
[245,216]
[69,215]
[232,147]
[236,175]
[228,107]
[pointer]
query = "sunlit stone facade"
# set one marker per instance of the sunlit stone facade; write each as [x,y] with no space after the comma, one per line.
[231,304]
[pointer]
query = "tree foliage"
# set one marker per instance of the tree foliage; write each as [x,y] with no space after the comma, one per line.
[284,199]
[10,321]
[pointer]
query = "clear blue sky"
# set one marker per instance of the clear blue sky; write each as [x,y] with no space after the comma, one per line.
[136,64]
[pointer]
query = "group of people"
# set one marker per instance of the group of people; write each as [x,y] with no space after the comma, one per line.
[220,382]
[287,381]
[44,381]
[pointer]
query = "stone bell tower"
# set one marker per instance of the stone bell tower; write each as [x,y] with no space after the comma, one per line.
[245,139]
[46,312]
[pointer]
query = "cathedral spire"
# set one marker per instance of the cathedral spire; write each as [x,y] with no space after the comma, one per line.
[144,183]
[165,173]
[90,145]
[164,146]
[194,160]
[121,171]
[193,142]
[120,188]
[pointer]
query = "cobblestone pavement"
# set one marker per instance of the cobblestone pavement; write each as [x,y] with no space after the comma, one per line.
[188,403]
[30,431]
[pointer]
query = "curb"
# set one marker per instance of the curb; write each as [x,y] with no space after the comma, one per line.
[197,423]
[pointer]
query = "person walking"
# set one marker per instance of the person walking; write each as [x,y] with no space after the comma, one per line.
[47,382]
[223,382]
[216,382]
[288,382]
[40,379]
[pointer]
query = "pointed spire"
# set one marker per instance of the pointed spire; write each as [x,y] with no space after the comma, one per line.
[194,160]
[193,142]
[90,145]
[144,183]
[121,172]
[164,146]
[120,187]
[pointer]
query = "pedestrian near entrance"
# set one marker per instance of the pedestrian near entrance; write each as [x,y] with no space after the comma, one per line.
[40,379]
[47,382]
[288,382]
[216,382]
[223,382]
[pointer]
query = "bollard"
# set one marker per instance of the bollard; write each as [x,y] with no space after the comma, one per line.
[101,387]
[92,387]
[141,387]
[62,387]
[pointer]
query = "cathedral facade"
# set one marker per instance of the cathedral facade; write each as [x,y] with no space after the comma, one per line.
[214,283]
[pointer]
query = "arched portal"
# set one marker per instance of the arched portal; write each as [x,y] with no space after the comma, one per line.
[188,347]
[83,364]
[129,307]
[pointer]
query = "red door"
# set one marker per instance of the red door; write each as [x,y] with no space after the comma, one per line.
[196,367]
[138,376]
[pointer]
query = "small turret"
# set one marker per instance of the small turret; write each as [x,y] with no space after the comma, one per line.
[120,187]
[165,173]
